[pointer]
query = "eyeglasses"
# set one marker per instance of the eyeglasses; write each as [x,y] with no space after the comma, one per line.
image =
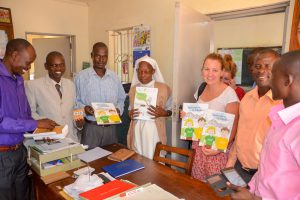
[56,65]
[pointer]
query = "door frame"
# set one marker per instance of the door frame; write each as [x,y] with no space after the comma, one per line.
[34,35]
[179,33]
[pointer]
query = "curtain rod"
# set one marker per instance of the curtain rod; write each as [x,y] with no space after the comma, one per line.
[249,12]
[124,29]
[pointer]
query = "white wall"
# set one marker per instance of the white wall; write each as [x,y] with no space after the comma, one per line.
[245,32]
[264,30]
[52,16]
[89,23]
[158,14]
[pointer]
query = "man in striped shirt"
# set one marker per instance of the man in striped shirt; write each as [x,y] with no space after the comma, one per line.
[98,84]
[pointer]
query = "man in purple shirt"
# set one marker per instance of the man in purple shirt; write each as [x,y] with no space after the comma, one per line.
[15,120]
[279,168]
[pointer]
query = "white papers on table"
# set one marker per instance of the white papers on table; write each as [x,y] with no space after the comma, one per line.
[93,154]
[86,170]
[57,145]
[146,192]
[83,183]
[107,175]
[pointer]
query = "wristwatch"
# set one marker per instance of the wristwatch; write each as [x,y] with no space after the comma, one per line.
[169,113]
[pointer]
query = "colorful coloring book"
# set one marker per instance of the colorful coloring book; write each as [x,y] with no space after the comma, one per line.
[217,130]
[144,98]
[78,114]
[193,121]
[106,113]
[53,163]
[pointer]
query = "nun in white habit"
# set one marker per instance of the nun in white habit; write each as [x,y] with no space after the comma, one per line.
[144,134]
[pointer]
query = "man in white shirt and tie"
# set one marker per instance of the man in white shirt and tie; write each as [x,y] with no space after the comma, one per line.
[52,96]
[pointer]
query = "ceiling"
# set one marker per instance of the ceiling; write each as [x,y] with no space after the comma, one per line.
[209,6]
[82,2]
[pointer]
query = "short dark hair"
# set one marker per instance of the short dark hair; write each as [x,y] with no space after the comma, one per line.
[290,62]
[53,54]
[18,45]
[252,55]
[269,50]
[99,45]
[266,51]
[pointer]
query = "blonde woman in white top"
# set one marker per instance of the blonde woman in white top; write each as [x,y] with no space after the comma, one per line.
[220,97]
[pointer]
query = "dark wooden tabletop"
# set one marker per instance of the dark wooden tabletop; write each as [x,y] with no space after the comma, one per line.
[177,183]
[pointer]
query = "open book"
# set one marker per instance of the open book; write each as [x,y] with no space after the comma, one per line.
[106,113]
[143,99]
[59,132]
[217,130]
[193,122]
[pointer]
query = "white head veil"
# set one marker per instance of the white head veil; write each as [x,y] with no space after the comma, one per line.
[157,76]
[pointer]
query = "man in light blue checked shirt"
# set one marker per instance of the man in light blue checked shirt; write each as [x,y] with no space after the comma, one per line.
[98,84]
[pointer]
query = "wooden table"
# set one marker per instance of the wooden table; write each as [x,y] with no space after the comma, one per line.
[175,182]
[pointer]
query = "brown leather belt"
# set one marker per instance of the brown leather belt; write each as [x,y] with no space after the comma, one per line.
[10,148]
[95,123]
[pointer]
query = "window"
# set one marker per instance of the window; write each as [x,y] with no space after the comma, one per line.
[120,56]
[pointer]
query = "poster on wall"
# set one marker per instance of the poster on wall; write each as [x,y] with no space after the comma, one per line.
[237,57]
[141,42]
[5,16]
[3,42]
[295,30]
[6,29]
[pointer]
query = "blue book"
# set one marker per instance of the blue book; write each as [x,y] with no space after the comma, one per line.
[122,168]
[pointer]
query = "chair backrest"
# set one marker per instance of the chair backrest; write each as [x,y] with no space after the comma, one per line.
[185,152]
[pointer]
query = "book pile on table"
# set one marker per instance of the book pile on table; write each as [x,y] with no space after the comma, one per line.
[54,145]
[113,190]
[59,132]
[145,192]
[48,157]
[121,190]
[105,186]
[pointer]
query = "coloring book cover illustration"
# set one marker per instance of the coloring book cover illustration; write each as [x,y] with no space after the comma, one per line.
[144,98]
[106,113]
[193,122]
[217,130]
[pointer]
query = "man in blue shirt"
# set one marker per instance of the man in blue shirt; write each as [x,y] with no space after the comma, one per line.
[101,85]
[15,120]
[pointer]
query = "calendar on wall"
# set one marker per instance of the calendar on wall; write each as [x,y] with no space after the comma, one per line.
[141,42]
[6,29]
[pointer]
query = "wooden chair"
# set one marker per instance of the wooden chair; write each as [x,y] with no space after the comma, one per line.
[187,166]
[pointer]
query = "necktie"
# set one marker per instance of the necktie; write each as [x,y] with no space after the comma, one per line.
[58,90]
